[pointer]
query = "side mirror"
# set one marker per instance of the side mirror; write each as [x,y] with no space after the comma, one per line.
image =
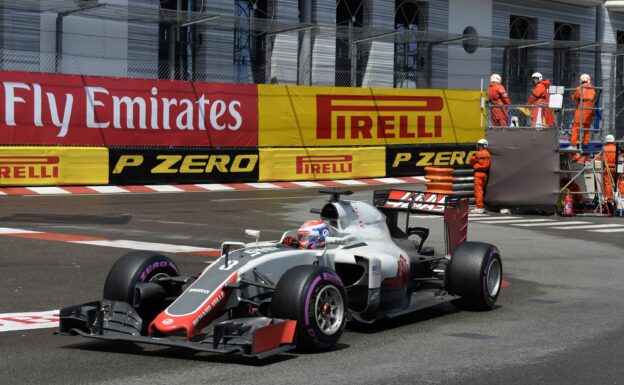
[226,247]
[253,234]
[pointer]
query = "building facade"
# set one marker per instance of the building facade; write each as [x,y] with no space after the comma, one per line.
[376,43]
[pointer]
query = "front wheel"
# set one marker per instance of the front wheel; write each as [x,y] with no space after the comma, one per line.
[140,267]
[475,273]
[316,298]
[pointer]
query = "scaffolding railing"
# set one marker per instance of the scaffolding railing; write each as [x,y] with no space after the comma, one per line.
[580,167]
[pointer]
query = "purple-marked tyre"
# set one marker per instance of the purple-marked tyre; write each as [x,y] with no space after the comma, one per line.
[475,273]
[316,298]
[142,268]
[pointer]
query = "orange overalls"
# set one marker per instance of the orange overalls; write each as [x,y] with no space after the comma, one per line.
[481,165]
[608,169]
[587,100]
[541,115]
[498,97]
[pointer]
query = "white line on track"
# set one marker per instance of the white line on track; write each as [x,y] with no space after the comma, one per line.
[511,221]
[262,185]
[350,182]
[29,320]
[108,189]
[618,230]
[214,187]
[586,227]
[263,199]
[390,180]
[171,222]
[557,223]
[163,188]
[308,184]
[137,245]
[493,218]
[8,230]
[48,190]
[427,216]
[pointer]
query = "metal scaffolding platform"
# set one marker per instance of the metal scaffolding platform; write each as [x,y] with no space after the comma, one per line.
[581,167]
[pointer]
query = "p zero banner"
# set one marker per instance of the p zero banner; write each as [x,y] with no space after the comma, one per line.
[334,116]
[187,165]
[48,109]
[46,166]
[321,163]
[412,160]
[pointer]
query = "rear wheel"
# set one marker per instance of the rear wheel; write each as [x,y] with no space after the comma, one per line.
[475,273]
[316,298]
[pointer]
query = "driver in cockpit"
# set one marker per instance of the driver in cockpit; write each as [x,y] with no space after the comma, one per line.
[311,235]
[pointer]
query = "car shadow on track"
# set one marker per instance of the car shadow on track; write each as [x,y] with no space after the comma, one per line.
[131,348]
[438,311]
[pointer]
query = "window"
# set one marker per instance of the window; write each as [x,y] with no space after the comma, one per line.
[565,66]
[349,16]
[411,57]
[176,46]
[249,43]
[520,63]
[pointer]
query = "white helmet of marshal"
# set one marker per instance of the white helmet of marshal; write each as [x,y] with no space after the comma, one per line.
[483,142]
[496,78]
[538,76]
[585,78]
[609,139]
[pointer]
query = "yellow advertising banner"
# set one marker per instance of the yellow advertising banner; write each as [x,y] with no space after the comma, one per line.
[321,163]
[50,166]
[336,116]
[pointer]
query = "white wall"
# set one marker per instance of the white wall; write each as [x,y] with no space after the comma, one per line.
[466,70]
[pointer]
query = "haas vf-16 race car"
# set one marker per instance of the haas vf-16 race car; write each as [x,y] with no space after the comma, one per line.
[262,298]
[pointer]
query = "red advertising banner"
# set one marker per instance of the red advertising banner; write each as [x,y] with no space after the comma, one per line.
[51,109]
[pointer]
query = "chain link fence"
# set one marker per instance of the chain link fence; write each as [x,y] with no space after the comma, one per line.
[144,41]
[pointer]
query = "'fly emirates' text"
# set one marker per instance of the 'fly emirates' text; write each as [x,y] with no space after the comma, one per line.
[154,112]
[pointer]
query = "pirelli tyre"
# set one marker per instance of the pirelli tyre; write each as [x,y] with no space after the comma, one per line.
[139,268]
[475,273]
[316,298]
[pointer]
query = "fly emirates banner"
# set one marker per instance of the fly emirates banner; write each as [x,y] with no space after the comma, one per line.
[49,109]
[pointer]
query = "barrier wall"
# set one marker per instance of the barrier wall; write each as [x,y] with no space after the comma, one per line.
[183,165]
[412,160]
[50,109]
[333,116]
[151,131]
[322,163]
[48,166]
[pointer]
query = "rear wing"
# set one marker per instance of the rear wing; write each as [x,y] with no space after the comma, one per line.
[452,207]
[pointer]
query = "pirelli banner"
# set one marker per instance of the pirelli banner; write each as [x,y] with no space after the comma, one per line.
[412,160]
[46,166]
[321,163]
[334,116]
[183,165]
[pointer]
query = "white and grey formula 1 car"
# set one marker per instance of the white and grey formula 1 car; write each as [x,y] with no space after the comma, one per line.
[263,298]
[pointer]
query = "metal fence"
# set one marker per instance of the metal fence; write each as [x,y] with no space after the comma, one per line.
[145,41]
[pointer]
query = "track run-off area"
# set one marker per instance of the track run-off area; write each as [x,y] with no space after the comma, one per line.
[558,319]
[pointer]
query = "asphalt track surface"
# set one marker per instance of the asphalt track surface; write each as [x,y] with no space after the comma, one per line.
[560,320]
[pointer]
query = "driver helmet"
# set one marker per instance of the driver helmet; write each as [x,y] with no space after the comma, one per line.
[311,235]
